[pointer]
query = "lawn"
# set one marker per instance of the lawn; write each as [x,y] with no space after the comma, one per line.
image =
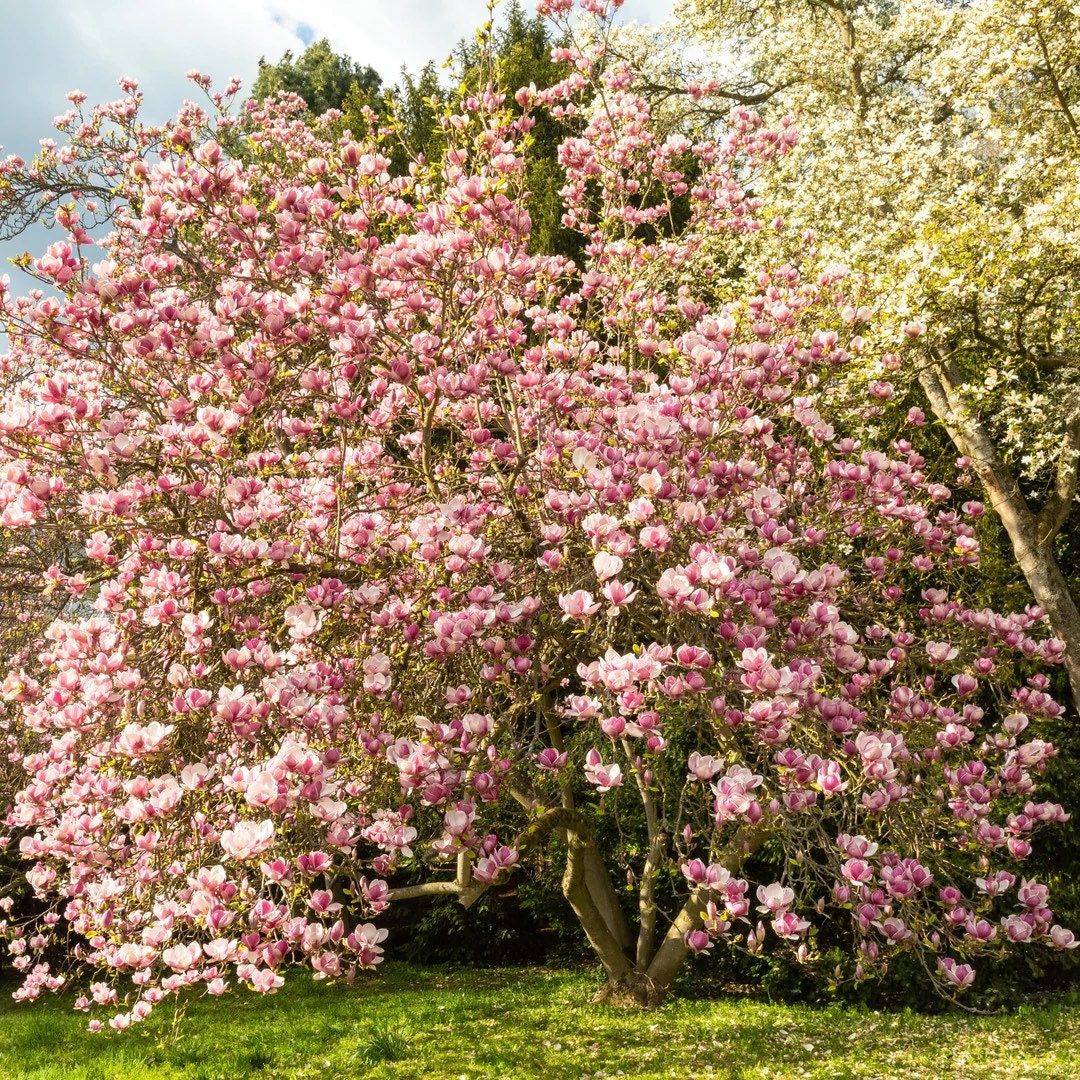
[436,1023]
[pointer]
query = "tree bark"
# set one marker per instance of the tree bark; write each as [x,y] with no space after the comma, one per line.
[595,876]
[602,890]
[647,912]
[1031,534]
[605,944]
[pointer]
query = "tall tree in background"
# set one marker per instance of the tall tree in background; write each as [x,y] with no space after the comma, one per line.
[416,104]
[939,150]
[519,54]
[323,78]
[515,51]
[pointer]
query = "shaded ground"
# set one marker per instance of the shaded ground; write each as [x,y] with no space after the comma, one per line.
[408,1022]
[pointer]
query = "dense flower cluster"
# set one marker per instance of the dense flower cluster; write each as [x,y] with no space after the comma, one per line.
[391,546]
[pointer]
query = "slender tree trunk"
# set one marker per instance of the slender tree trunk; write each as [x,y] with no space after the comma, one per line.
[1031,534]
[673,950]
[589,872]
[603,894]
[647,912]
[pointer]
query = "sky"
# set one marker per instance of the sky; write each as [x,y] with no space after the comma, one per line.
[53,46]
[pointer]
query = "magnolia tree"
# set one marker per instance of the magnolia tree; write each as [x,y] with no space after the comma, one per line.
[394,551]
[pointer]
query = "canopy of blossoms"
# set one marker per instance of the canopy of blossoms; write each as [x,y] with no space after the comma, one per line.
[390,548]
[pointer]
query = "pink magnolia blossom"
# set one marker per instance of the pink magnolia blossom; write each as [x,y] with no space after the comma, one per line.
[248,839]
[602,776]
[958,975]
[578,604]
[775,898]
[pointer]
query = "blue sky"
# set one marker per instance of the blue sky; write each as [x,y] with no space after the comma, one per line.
[52,46]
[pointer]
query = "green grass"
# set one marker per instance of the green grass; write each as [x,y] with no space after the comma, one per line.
[432,1023]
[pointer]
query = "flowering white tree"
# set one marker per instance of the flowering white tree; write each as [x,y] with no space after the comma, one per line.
[939,153]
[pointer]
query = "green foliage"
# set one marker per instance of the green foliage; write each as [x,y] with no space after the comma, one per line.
[323,78]
[416,104]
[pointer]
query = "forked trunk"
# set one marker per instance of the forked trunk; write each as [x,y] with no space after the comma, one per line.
[634,989]
[637,978]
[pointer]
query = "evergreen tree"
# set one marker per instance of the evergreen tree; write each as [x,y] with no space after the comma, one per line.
[323,78]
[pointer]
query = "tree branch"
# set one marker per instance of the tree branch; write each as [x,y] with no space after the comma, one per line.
[1058,506]
[464,886]
[428,888]
[673,948]
[1055,86]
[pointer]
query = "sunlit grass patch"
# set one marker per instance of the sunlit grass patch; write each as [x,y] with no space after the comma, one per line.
[432,1023]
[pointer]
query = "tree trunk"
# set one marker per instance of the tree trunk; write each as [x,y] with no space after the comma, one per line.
[598,882]
[673,949]
[641,977]
[1031,535]
[645,980]
[606,945]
